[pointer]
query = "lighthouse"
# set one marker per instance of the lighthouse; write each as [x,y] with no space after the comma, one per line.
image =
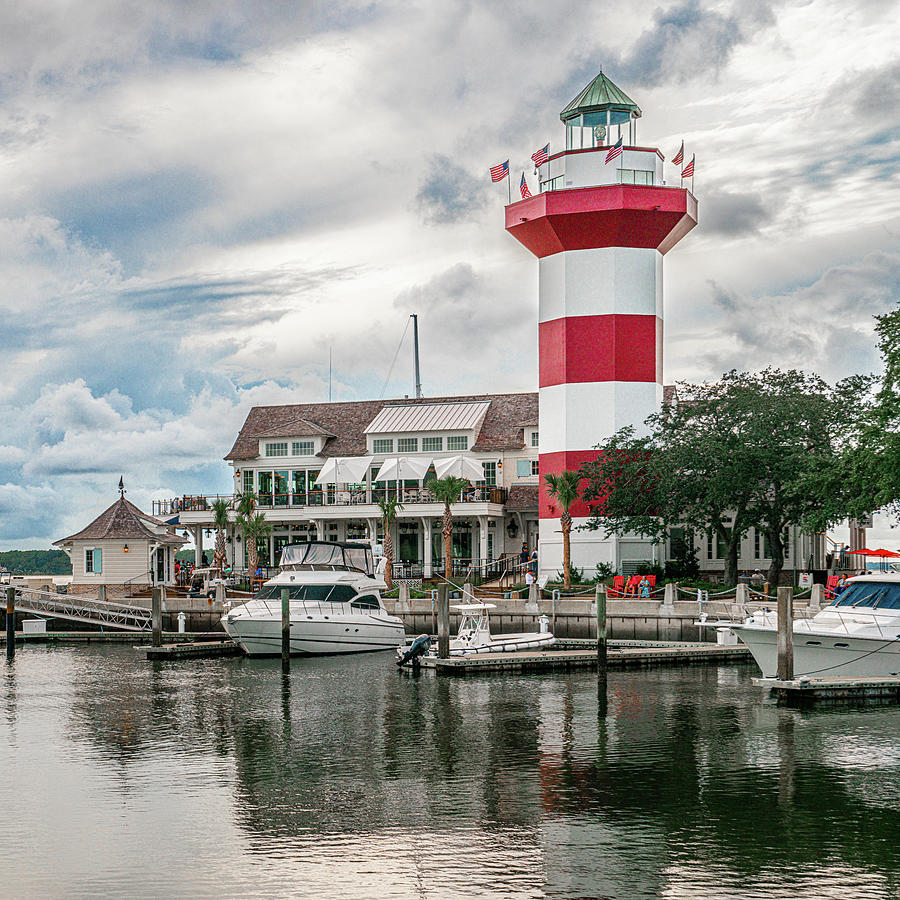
[599,228]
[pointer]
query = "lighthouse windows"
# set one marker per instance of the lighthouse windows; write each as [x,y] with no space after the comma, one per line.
[635,176]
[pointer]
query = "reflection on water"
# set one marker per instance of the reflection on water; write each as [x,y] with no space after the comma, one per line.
[349,779]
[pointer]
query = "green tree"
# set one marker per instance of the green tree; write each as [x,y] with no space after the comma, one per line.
[253,526]
[220,509]
[564,488]
[389,509]
[748,450]
[447,491]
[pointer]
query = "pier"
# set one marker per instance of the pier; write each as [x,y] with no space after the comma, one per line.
[884,689]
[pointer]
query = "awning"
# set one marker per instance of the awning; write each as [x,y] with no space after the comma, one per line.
[459,466]
[396,468]
[344,470]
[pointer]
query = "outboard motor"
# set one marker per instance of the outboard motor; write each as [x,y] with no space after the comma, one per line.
[419,647]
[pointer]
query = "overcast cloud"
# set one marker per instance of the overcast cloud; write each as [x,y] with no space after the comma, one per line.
[198,202]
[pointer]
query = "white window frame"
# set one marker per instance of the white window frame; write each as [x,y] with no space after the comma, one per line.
[300,448]
[535,438]
[387,445]
[92,570]
[432,444]
[268,450]
[408,445]
[458,442]
[535,468]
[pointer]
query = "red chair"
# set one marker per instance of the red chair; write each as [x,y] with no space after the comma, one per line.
[618,585]
[651,581]
[830,584]
[631,588]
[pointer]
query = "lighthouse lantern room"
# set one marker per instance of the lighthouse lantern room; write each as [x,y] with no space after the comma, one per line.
[600,227]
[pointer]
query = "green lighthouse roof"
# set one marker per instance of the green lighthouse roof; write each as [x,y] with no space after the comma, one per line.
[601,94]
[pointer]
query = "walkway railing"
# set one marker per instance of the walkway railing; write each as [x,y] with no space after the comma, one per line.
[342,496]
[108,614]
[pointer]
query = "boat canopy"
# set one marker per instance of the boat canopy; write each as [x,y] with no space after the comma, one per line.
[329,554]
[473,607]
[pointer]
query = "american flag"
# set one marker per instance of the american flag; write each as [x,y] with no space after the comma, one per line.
[523,187]
[689,169]
[678,158]
[498,173]
[614,151]
[540,156]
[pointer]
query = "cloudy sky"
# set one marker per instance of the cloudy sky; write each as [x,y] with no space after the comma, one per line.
[198,200]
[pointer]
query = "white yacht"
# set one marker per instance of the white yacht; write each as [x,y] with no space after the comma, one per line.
[857,635]
[335,605]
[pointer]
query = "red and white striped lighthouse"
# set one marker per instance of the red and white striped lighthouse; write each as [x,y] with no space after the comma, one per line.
[599,228]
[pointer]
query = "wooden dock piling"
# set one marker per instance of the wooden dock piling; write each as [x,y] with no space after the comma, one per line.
[10,623]
[785,633]
[443,621]
[156,616]
[285,631]
[601,632]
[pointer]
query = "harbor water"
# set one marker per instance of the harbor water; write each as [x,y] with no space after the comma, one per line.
[349,779]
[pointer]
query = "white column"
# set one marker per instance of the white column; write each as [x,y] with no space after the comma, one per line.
[198,545]
[482,537]
[426,549]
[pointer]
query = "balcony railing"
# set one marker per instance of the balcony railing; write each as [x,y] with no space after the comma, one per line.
[328,497]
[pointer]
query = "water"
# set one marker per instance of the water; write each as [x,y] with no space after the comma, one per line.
[123,777]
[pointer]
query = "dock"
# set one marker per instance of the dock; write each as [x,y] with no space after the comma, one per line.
[620,655]
[194,650]
[803,691]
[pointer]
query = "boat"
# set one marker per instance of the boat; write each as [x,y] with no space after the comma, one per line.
[335,604]
[474,634]
[857,635]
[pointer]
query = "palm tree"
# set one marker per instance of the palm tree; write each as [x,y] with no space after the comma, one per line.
[564,488]
[220,510]
[447,491]
[255,528]
[244,503]
[389,509]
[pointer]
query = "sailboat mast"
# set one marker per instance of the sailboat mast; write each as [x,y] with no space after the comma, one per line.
[415,319]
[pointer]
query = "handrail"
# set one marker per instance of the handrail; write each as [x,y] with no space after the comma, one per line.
[83,609]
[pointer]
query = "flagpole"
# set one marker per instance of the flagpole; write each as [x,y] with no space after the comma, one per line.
[508,188]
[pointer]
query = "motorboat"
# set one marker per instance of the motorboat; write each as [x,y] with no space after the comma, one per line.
[334,596]
[857,635]
[474,634]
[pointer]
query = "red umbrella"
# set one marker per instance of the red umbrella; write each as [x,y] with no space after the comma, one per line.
[864,550]
[883,553]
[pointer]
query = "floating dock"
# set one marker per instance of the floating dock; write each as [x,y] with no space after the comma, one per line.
[194,650]
[624,655]
[803,691]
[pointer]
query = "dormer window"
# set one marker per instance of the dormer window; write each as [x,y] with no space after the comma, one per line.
[303,448]
[408,445]
[277,448]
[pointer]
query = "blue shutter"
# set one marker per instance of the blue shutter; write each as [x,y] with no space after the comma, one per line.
[523,468]
[98,561]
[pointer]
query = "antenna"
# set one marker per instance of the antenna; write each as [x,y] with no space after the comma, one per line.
[415,319]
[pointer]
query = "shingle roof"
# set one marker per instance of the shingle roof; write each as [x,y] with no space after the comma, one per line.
[123,521]
[501,429]
[522,498]
[297,428]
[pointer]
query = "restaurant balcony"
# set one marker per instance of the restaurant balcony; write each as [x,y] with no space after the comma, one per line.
[320,500]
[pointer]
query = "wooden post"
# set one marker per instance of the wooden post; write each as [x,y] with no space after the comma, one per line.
[601,632]
[10,622]
[101,593]
[285,631]
[443,621]
[816,597]
[156,616]
[785,633]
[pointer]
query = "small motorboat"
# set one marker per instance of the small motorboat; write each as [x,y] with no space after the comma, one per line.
[474,634]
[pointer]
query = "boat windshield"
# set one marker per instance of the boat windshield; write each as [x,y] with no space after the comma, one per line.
[309,593]
[884,595]
[325,554]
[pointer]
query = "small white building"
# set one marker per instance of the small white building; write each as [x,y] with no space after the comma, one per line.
[123,549]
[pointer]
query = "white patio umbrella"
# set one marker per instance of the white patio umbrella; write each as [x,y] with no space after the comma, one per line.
[460,466]
[396,468]
[344,470]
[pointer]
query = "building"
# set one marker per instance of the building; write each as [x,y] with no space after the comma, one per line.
[281,452]
[123,549]
[603,220]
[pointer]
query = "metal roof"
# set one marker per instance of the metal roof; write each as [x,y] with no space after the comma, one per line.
[600,94]
[429,417]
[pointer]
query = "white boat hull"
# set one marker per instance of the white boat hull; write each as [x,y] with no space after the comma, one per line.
[317,636]
[823,653]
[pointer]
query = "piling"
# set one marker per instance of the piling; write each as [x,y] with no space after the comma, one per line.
[156,616]
[816,596]
[785,633]
[443,621]
[101,593]
[285,631]
[10,623]
[601,635]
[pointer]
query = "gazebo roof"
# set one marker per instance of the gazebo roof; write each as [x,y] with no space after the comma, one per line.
[124,521]
[599,95]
